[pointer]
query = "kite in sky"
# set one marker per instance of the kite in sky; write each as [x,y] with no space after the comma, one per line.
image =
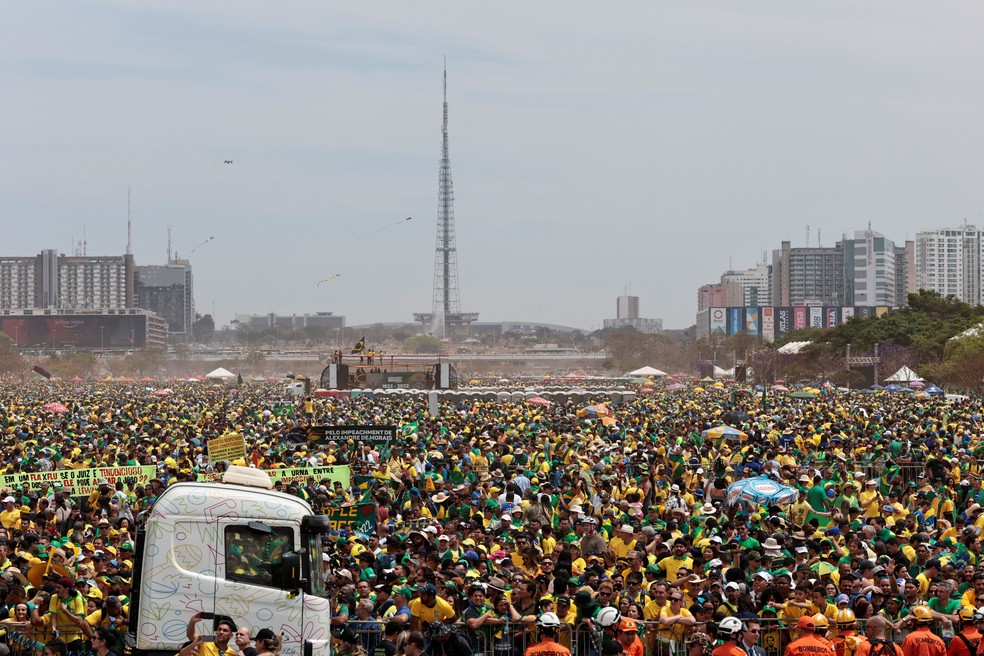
[204,243]
[328,279]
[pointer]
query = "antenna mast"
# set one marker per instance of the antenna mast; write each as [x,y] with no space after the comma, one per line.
[169,244]
[129,225]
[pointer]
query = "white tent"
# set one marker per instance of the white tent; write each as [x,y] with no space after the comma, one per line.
[647,371]
[903,375]
[221,374]
[723,373]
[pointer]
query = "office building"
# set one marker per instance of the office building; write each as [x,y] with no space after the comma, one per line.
[627,307]
[869,269]
[808,276]
[948,262]
[50,280]
[272,321]
[168,290]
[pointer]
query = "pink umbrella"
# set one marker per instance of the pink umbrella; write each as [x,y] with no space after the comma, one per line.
[539,400]
[55,407]
[162,392]
[917,383]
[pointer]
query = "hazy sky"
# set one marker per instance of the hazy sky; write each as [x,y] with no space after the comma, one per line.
[594,146]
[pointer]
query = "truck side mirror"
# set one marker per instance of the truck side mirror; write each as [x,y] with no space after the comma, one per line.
[290,571]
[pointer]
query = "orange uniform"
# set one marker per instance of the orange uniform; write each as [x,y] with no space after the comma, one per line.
[548,647]
[728,649]
[959,648]
[634,649]
[848,643]
[809,645]
[922,642]
[882,648]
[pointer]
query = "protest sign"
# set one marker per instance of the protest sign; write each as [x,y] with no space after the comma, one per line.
[371,435]
[80,482]
[230,446]
[360,518]
[299,475]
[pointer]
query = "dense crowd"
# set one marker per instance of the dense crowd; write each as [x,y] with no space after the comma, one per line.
[499,525]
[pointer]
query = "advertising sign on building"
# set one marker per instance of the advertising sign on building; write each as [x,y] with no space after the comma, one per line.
[769,324]
[800,318]
[735,323]
[719,321]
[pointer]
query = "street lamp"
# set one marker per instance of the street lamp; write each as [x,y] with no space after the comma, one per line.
[102,340]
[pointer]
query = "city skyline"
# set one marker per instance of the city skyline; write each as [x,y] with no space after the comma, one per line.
[650,146]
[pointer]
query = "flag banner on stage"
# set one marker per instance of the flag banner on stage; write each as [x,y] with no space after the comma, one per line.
[80,482]
[358,517]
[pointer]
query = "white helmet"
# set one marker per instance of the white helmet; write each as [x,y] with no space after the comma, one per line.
[608,617]
[729,626]
[548,621]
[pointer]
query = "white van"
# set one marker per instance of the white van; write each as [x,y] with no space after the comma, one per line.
[236,549]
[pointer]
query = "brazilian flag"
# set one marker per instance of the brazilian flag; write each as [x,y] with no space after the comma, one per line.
[360,346]
[408,429]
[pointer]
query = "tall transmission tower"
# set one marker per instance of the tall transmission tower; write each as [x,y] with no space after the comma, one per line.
[445,316]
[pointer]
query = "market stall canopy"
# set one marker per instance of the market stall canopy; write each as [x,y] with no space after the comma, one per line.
[647,371]
[903,375]
[220,373]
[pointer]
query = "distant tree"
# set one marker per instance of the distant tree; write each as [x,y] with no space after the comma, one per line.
[10,359]
[423,344]
[203,329]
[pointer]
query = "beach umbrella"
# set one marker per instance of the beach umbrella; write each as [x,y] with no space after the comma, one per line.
[760,490]
[720,432]
[893,388]
[824,568]
[674,387]
[698,389]
[162,392]
[780,388]
[55,407]
[803,394]
[917,383]
[538,400]
[934,390]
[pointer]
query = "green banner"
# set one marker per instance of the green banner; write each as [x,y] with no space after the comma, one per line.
[80,482]
[299,475]
[360,518]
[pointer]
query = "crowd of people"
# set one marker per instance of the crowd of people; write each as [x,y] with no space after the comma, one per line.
[511,527]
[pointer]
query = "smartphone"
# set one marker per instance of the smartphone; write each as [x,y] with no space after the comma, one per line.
[208,616]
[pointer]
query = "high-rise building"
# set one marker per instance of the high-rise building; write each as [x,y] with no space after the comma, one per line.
[53,281]
[756,284]
[168,290]
[869,269]
[948,261]
[627,307]
[808,276]
[722,294]
[905,272]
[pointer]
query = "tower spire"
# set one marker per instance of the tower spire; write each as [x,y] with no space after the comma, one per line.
[445,308]
[129,224]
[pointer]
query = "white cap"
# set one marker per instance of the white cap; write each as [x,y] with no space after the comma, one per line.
[10,500]
[732,586]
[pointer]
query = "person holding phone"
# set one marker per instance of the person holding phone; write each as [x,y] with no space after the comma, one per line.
[224,630]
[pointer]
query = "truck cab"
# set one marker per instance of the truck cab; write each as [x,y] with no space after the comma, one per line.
[235,549]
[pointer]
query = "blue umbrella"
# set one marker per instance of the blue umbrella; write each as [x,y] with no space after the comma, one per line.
[760,490]
[934,390]
[893,388]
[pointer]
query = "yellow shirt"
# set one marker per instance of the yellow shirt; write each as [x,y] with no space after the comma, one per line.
[874,510]
[676,631]
[621,548]
[441,610]
[672,565]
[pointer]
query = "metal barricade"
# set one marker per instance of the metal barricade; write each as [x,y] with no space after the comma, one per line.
[513,638]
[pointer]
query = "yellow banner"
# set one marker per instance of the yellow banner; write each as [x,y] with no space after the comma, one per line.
[230,446]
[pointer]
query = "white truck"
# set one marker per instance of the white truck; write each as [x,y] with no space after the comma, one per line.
[236,549]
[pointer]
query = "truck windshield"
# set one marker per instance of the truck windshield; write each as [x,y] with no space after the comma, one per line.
[317,565]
